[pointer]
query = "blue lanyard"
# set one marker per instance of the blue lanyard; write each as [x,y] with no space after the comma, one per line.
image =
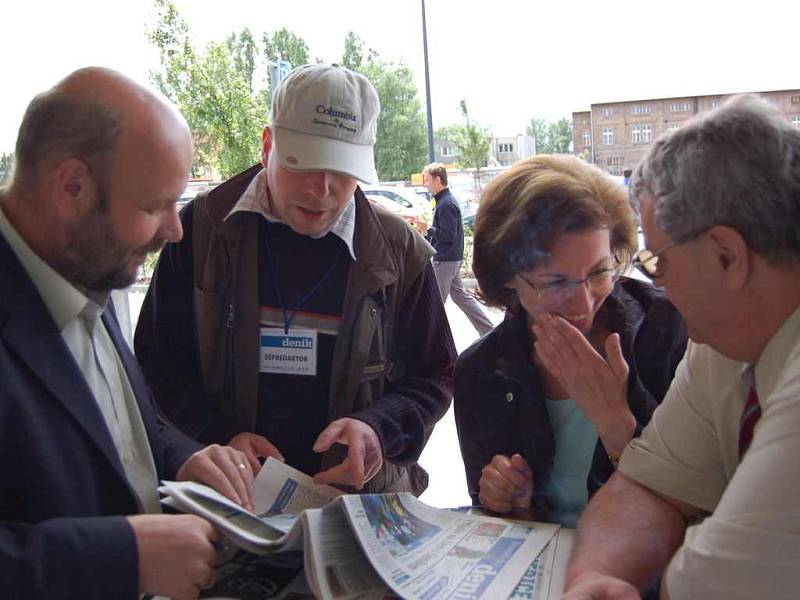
[288,318]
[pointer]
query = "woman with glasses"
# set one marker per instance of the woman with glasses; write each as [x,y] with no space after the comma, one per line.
[546,402]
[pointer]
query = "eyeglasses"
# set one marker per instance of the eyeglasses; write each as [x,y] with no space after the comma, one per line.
[561,291]
[648,262]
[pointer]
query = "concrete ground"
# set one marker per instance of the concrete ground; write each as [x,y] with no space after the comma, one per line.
[441,457]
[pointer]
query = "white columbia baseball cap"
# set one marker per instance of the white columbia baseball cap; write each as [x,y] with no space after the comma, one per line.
[324,118]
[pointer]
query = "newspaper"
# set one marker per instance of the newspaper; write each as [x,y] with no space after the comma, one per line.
[545,578]
[280,496]
[375,546]
[423,552]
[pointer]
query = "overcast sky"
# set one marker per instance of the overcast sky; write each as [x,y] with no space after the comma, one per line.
[511,60]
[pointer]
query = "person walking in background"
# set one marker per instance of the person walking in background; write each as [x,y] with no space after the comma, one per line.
[626,177]
[446,235]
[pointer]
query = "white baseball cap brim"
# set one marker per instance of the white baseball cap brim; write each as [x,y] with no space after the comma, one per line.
[303,152]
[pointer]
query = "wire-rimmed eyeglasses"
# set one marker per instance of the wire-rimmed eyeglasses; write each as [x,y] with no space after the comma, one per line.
[560,291]
[648,262]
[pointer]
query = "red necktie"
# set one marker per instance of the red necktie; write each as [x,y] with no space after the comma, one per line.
[750,415]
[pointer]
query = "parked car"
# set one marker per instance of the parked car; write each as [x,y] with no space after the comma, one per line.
[403,202]
[194,187]
[469,219]
[468,207]
[422,192]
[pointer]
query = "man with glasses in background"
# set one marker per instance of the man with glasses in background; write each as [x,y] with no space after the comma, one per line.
[711,490]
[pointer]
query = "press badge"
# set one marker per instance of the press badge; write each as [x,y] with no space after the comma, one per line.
[294,353]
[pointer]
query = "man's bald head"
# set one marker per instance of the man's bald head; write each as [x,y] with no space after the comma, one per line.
[84,116]
[101,162]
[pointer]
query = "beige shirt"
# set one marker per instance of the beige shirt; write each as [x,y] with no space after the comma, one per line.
[255,199]
[749,547]
[78,318]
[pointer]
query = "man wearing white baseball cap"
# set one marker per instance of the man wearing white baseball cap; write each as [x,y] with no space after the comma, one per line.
[295,319]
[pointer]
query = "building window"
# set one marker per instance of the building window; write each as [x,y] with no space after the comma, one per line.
[505,148]
[641,134]
[614,165]
[679,107]
[447,151]
[672,126]
[607,112]
[714,104]
[796,122]
[640,109]
[795,99]
[587,138]
[608,136]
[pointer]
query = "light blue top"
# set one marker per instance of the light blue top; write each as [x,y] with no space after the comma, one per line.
[576,439]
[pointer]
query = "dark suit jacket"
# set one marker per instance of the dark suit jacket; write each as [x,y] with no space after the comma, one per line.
[63,491]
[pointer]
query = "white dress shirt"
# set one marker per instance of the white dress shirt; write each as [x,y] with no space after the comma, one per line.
[749,546]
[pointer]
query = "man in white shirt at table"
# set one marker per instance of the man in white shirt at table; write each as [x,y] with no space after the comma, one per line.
[708,497]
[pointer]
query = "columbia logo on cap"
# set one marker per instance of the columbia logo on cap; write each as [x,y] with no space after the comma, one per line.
[325,118]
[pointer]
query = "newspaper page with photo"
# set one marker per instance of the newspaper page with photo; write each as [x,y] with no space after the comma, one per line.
[365,547]
[428,553]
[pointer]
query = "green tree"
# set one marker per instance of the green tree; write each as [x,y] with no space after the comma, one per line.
[474,147]
[475,143]
[353,56]
[286,45]
[217,90]
[539,130]
[561,136]
[227,110]
[244,54]
[401,144]
[6,164]
[551,137]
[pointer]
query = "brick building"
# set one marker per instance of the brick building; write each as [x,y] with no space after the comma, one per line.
[615,135]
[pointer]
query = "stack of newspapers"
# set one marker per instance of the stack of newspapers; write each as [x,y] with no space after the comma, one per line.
[312,539]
